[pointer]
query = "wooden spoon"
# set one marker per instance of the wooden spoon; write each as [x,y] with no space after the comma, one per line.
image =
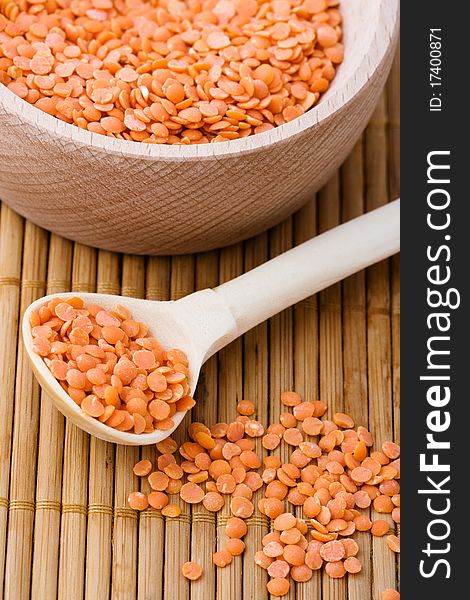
[204,322]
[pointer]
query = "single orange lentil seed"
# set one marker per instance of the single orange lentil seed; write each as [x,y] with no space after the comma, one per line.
[191,570]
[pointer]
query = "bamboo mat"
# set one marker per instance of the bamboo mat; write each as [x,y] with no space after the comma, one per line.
[65,529]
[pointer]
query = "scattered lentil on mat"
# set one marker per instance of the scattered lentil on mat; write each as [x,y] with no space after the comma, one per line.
[191,571]
[171,71]
[113,370]
[333,480]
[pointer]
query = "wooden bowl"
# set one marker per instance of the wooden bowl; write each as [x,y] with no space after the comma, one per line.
[149,199]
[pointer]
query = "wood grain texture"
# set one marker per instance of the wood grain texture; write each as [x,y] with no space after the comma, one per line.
[25,431]
[124,195]
[11,248]
[341,346]
[50,453]
[379,335]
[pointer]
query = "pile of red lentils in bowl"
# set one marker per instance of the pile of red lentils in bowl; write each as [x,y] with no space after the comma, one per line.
[332,478]
[170,71]
[109,365]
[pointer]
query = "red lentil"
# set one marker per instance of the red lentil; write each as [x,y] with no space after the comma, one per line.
[222,558]
[138,501]
[288,421]
[235,527]
[273,549]
[290,398]
[379,528]
[278,586]
[171,510]
[284,521]
[279,568]
[235,546]
[336,569]
[192,493]
[273,507]
[246,407]
[383,504]
[301,573]
[158,500]
[352,565]
[191,571]
[350,547]
[294,555]
[143,468]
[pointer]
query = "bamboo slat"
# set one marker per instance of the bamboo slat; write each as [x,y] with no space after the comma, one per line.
[50,453]
[379,334]
[11,242]
[25,430]
[393,129]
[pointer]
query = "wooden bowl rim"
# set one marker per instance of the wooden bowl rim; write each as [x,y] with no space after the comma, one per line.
[336,99]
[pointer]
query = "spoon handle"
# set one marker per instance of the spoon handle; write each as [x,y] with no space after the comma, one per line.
[312,266]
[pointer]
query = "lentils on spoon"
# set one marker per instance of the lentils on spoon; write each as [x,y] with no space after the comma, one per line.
[109,365]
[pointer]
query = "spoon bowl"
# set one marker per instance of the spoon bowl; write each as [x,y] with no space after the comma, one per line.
[170,323]
[204,322]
